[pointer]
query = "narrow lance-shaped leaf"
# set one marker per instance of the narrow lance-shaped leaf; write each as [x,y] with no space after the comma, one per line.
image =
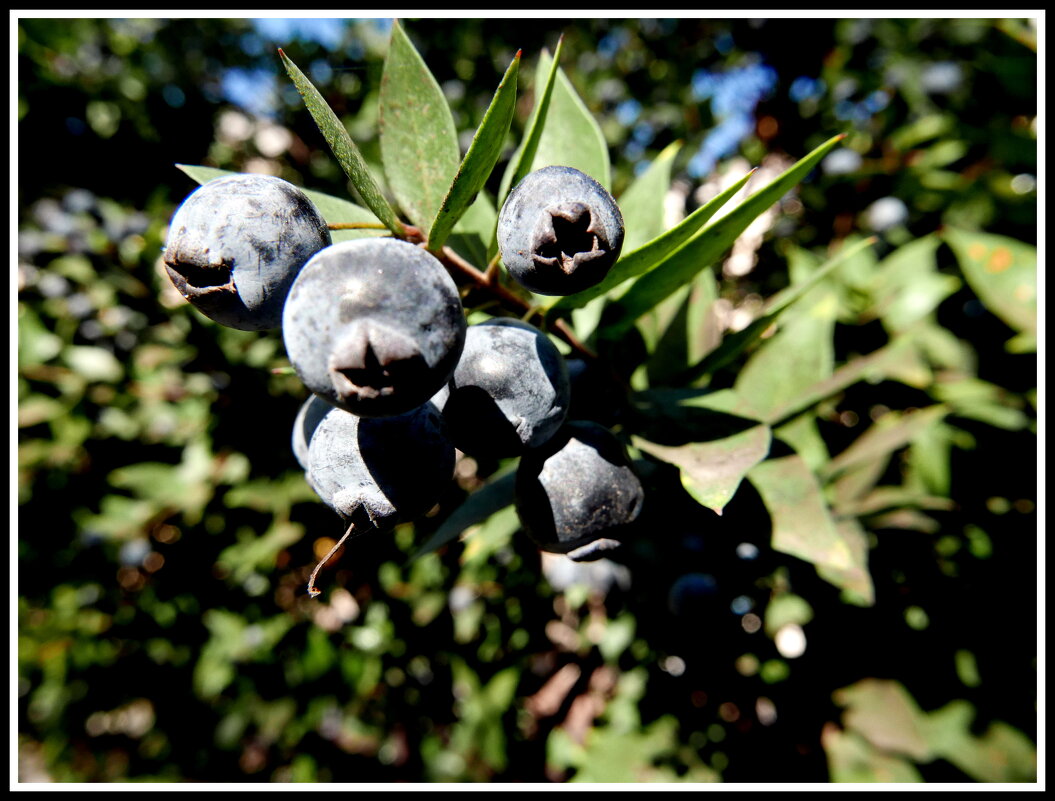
[522,160]
[735,344]
[642,214]
[335,210]
[480,159]
[571,136]
[348,155]
[653,253]
[708,245]
[419,143]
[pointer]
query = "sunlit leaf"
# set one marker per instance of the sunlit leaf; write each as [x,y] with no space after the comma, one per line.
[667,246]
[712,471]
[346,151]
[480,159]
[571,136]
[419,143]
[642,203]
[709,244]
[523,158]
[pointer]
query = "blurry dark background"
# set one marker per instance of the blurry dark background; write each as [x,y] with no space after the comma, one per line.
[165,533]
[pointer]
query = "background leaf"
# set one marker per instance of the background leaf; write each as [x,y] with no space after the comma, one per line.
[1002,272]
[802,524]
[642,202]
[712,471]
[708,245]
[419,144]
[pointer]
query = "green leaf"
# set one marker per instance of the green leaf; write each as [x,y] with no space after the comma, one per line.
[480,159]
[681,330]
[736,343]
[524,157]
[708,245]
[892,431]
[495,495]
[656,252]
[802,524]
[419,143]
[571,136]
[798,356]
[712,471]
[642,202]
[348,155]
[1002,272]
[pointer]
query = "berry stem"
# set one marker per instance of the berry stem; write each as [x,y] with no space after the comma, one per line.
[313,591]
[355,226]
[509,300]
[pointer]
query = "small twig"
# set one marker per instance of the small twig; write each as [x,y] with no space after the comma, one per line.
[313,591]
[491,273]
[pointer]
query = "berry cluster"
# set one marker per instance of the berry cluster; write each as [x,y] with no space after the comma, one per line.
[376,330]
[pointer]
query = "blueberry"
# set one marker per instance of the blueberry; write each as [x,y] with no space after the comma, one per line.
[308,418]
[509,391]
[374,326]
[377,472]
[578,494]
[236,244]
[559,231]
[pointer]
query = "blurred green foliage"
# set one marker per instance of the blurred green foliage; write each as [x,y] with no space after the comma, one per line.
[166,533]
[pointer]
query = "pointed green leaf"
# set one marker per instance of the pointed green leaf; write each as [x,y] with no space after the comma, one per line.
[802,524]
[348,155]
[520,164]
[642,202]
[712,471]
[334,210]
[1002,272]
[708,245]
[495,495]
[419,143]
[654,253]
[480,159]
